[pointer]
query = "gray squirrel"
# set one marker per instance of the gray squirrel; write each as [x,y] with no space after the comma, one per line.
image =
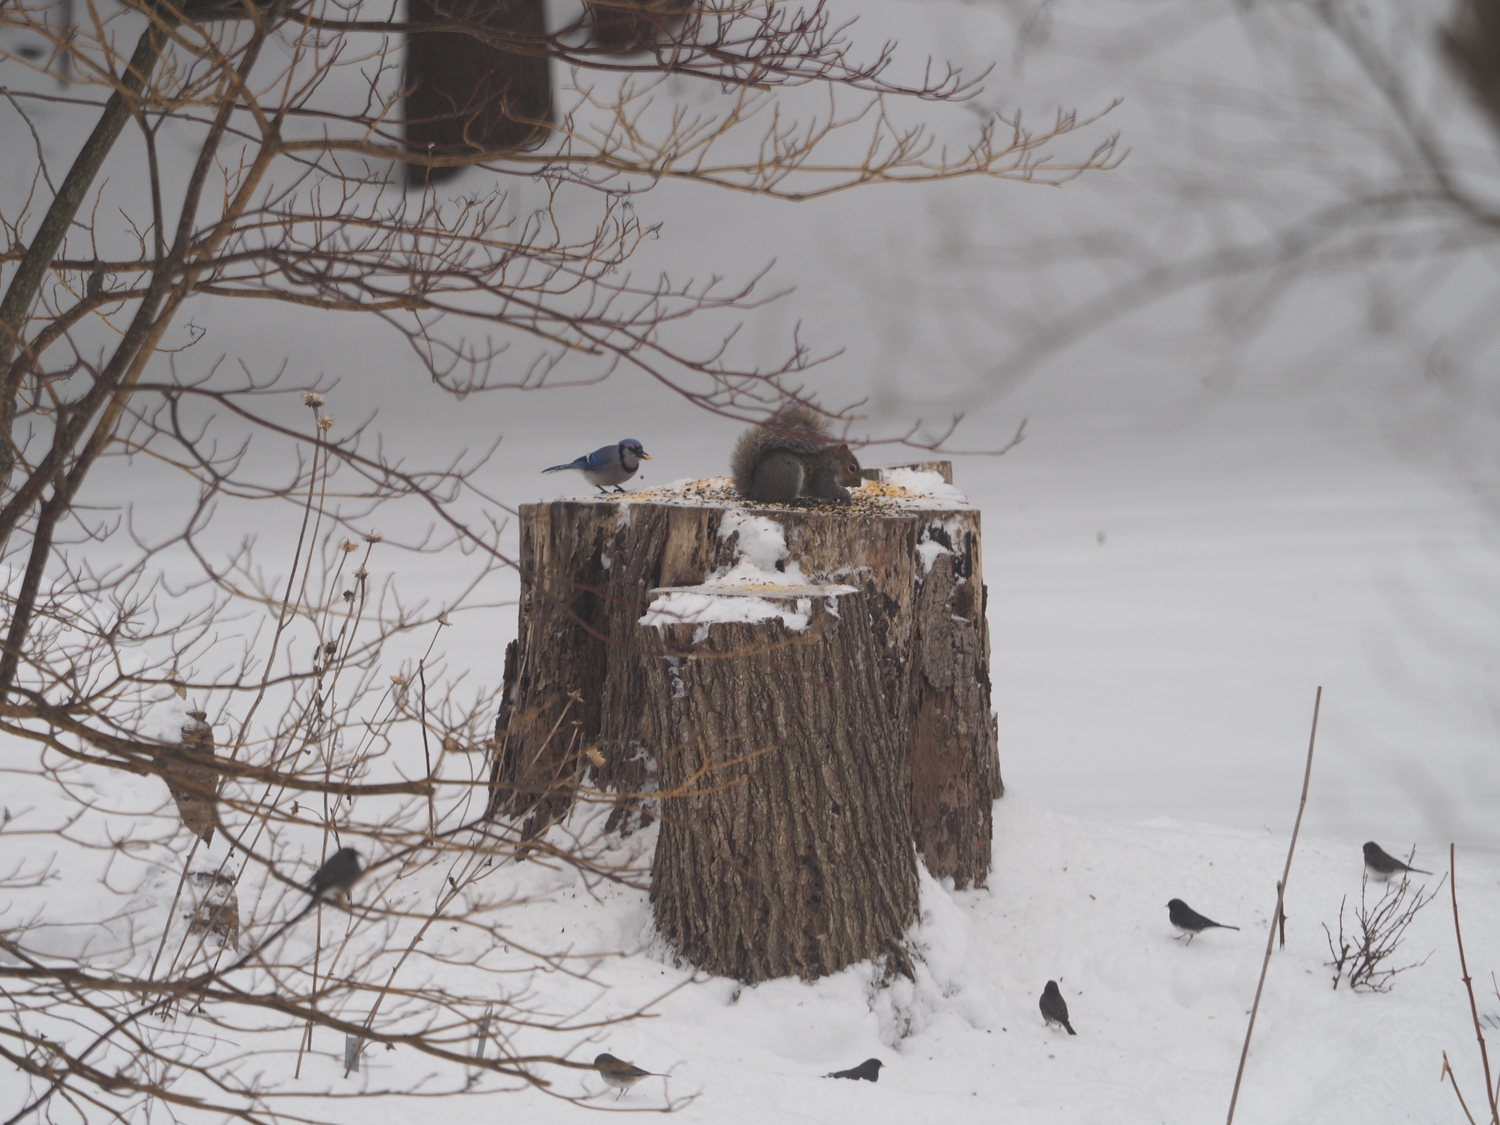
[792,456]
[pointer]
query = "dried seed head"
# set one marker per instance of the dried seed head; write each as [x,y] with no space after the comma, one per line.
[361,574]
[373,537]
[348,546]
[444,619]
[331,648]
[349,595]
[313,400]
[399,680]
[325,422]
[595,756]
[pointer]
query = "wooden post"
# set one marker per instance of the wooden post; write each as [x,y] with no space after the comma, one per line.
[592,693]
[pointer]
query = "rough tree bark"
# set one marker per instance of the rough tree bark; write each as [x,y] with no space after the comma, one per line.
[785,843]
[575,683]
[464,96]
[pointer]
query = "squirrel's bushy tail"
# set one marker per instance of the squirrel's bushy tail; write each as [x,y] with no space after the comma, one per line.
[797,429]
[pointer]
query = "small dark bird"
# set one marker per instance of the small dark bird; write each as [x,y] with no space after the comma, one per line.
[618,1072]
[1383,866]
[1054,1007]
[1190,922]
[337,875]
[869,1070]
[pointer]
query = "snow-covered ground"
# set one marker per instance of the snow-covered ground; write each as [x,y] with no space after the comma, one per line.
[1186,545]
[1160,1023]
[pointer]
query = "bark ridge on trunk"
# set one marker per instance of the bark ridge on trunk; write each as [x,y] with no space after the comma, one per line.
[785,843]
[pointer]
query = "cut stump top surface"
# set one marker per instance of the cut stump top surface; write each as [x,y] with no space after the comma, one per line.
[901,493]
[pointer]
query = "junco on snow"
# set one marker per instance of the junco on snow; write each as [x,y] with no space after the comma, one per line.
[1190,922]
[1383,866]
[618,1072]
[337,875]
[1054,1007]
[869,1070]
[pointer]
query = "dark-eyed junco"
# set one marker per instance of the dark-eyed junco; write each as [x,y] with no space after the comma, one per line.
[1383,866]
[869,1070]
[337,875]
[1190,922]
[618,1072]
[1054,1007]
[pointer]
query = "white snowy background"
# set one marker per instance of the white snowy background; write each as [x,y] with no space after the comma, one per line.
[1200,528]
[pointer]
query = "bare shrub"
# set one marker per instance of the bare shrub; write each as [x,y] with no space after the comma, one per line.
[1365,957]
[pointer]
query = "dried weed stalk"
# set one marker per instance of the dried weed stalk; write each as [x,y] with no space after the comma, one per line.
[1491,1090]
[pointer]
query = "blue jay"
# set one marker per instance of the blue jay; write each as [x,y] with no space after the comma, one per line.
[609,465]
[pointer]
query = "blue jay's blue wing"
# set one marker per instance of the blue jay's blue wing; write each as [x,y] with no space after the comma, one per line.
[581,463]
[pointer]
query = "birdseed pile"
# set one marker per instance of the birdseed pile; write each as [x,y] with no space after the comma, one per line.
[909,489]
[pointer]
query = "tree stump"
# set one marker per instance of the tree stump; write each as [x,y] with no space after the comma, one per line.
[785,845]
[593,694]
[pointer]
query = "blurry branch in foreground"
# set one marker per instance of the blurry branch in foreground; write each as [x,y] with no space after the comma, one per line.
[1338,146]
[203,960]
[192,730]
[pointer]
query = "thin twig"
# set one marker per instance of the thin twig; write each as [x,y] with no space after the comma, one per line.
[426,749]
[1276,918]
